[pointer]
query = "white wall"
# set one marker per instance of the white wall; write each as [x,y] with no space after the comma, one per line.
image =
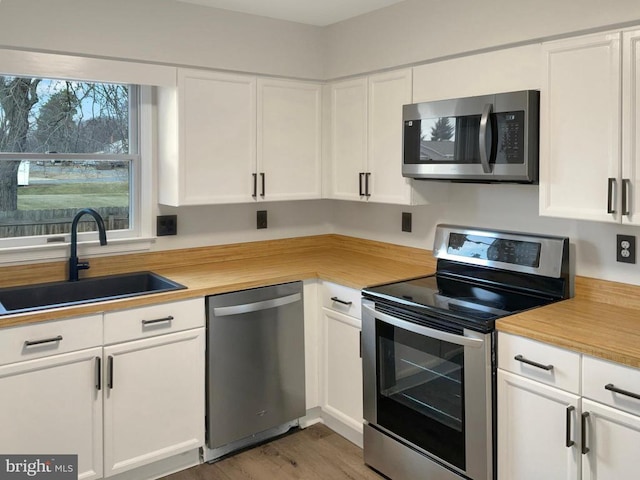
[504,207]
[164,31]
[222,224]
[415,31]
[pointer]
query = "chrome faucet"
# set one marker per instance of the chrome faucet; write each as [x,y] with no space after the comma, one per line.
[74,264]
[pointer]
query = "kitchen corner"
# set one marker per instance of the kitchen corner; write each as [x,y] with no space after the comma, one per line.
[342,266]
[206,271]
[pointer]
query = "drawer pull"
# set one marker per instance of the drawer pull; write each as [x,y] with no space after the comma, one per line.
[610,387]
[343,302]
[520,358]
[156,320]
[568,441]
[30,343]
[585,449]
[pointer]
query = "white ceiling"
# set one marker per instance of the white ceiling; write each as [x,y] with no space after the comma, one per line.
[312,12]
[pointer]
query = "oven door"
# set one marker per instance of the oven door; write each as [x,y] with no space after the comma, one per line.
[430,389]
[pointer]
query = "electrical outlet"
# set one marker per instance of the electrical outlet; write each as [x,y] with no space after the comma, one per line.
[166,225]
[261,219]
[626,248]
[406,221]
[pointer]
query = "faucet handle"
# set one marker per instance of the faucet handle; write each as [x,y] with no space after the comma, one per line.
[83,265]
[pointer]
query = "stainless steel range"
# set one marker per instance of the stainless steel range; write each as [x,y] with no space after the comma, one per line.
[428,350]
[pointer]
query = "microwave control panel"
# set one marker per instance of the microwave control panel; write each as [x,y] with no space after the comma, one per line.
[510,137]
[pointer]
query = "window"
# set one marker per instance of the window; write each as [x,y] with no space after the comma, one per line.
[66,145]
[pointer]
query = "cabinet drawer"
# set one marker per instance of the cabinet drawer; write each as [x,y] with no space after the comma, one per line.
[153,320]
[38,340]
[539,361]
[611,383]
[341,299]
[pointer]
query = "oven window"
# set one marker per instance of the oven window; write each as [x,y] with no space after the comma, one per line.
[421,391]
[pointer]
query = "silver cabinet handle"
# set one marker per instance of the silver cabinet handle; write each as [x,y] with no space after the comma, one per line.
[611,184]
[343,302]
[520,358]
[627,393]
[156,320]
[485,131]
[30,343]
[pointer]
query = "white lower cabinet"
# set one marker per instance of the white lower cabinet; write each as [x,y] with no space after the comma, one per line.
[154,399]
[611,406]
[153,383]
[532,430]
[135,401]
[341,362]
[51,406]
[551,425]
[50,401]
[612,440]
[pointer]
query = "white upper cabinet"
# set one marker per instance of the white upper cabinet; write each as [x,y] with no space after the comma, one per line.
[366,139]
[289,140]
[207,139]
[588,133]
[630,127]
[348,139]
[388,92]
[228,138]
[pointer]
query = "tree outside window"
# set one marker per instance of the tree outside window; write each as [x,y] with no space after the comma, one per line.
[64,145]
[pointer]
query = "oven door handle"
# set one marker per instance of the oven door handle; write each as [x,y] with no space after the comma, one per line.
[426,331]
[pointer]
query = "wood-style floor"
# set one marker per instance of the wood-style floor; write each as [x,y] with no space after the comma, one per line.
[315,453]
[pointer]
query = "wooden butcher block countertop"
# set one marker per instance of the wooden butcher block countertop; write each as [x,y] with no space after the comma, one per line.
[603,319]
[205,271]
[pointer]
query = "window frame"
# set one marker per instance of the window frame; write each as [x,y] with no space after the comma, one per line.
[139,235]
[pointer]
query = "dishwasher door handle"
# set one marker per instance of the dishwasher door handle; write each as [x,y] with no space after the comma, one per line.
[256,306]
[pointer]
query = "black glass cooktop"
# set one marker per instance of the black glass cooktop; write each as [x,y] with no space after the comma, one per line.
[467,303]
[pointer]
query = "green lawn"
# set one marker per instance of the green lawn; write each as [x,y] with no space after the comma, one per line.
[73,195]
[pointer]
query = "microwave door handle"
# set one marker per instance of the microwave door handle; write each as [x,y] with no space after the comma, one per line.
[485,131]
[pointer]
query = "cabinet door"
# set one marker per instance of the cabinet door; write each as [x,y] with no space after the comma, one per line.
[612,437]
[388,92]
[154,399]
[289,149]
[580,128]
[342,368]
[532,430]
[217,149]
[52,406]
[630,125]
[348,139]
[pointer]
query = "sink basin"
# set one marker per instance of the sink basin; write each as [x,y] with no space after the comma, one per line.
[40,296]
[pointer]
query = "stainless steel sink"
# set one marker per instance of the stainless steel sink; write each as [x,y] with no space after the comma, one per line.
[41,296]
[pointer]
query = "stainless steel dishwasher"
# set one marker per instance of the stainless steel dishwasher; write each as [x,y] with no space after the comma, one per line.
[255,366]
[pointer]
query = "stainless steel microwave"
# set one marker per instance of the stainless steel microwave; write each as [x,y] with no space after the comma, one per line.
[489,138]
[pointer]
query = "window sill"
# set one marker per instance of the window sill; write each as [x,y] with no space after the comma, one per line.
[60,251]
